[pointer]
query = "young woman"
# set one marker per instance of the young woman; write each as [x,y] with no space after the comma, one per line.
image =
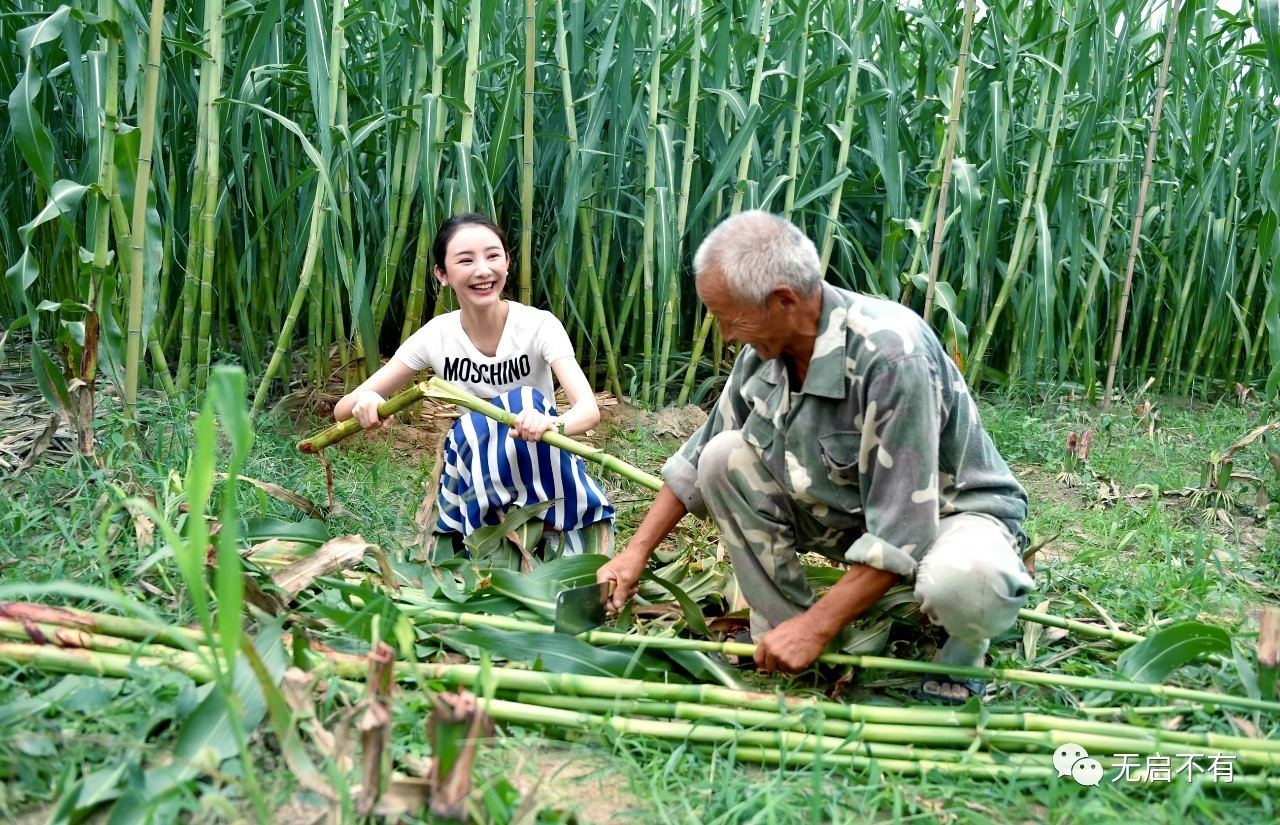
[507,352]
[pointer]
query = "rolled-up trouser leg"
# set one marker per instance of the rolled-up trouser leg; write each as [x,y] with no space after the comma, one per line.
[972,582]
[750,507]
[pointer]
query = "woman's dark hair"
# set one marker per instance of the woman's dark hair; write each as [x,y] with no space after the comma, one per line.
[450,228]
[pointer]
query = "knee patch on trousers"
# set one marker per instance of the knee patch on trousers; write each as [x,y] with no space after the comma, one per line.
[974,591]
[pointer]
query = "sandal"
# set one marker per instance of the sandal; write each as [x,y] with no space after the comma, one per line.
[976,687]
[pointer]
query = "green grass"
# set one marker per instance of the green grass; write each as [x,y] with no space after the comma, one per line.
[1136,560]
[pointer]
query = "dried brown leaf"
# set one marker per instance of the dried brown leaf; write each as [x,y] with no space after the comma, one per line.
[1269,637]
[1249,439]
[277,552]
[403,797]
[1054,634]
[303,503]
[449,793]
[1032,632]
[334,555]
[143,526]
[42,442]
[1245,727]
[374,722]
[384,566]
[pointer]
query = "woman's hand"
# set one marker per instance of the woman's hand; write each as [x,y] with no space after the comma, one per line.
[387,381]
[531,424]
[366,410]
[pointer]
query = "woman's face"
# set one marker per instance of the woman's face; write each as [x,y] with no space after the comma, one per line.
[475,265]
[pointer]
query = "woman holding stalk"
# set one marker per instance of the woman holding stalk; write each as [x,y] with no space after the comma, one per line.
[507,352]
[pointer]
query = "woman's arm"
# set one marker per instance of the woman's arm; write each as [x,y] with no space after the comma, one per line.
[583,412]
[362,402]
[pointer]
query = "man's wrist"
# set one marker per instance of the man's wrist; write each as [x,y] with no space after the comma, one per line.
[820,623]
[637,552]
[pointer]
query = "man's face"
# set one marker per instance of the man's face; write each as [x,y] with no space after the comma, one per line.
[767,328]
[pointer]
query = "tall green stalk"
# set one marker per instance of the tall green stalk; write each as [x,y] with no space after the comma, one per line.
[648,252]
[319,211]
[953,122]
[208,215]
[846,139]
[1042,161]
[526,151]
[137,277]
[466,132]
[1171,26]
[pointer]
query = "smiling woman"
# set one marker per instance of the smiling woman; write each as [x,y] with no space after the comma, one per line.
[507,352]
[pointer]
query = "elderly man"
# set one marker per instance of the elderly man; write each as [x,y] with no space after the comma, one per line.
[846,430]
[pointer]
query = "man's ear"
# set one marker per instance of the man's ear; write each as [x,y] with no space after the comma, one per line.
[782,297]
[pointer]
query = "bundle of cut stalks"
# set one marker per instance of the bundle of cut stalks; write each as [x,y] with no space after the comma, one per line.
[988,742]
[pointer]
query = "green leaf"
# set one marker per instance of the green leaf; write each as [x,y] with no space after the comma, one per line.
[53,386]
[208,732]
[64,200]
[538,596]
[110,335]
[705,668]
[190,554]
[228,393]
[236,9]
[823,190]
[557,652]
[21,275]
[29,131]
[1152,660]
[692,613]
[569,571]
[127,145]
[307,531]
[1267,23]
[486,540]
[190,48]
[727,163]
[207,737]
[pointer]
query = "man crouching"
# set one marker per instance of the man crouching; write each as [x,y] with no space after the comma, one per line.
[846,430]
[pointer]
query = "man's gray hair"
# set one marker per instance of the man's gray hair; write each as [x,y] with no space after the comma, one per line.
[757,252]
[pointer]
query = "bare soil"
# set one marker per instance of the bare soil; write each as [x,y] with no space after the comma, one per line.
[578,779]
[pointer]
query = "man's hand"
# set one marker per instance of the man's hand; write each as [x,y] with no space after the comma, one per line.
[624,571]
[791,646]
[796,643]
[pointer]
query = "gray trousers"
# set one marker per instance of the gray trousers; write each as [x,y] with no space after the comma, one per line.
[971,579]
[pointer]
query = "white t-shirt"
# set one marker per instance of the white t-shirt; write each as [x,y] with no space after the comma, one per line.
[532,340]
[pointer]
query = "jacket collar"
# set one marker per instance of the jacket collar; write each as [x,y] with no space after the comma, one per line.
[826,377]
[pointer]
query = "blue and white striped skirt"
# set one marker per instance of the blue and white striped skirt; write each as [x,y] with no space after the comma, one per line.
[487,471]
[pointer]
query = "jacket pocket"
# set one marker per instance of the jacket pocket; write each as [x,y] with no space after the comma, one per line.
[839,452]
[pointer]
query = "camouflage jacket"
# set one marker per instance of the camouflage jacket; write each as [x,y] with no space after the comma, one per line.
[883,429]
